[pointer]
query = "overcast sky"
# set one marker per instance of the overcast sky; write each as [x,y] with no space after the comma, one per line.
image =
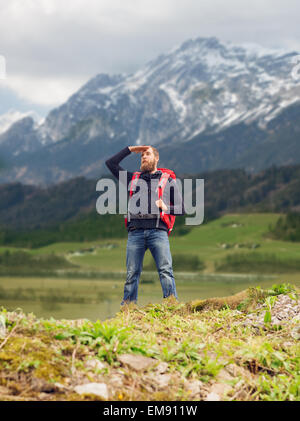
[52,47]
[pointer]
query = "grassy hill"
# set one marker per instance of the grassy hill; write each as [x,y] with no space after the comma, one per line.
[231,349]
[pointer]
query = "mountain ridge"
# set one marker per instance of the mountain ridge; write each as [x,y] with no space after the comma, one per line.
[202,87]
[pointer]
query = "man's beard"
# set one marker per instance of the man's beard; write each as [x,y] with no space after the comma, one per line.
[148,166]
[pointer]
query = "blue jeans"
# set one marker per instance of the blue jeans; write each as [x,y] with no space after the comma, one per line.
[138,242]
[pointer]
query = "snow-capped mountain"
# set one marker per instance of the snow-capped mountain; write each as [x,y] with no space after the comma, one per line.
[203,86]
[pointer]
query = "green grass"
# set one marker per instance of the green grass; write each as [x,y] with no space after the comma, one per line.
[257,263]
[204,242]
[182,262]
[193,345]
[23,263]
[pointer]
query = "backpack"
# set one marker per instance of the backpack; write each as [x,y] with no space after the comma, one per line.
[169,220]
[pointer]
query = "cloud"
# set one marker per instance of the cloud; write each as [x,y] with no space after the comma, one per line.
[46,91]
[52,47]
[11,116]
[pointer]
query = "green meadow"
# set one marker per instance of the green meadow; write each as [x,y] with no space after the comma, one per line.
[232,253]
[238,231]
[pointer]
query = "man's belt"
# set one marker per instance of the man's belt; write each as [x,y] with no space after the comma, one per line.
[143,216]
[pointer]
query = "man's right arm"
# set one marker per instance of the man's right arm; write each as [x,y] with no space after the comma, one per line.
[113,163]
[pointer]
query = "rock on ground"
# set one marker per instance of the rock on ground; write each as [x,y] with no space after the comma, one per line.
[136,362]
[98,389]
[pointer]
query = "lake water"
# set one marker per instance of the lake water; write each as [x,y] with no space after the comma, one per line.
[100,299]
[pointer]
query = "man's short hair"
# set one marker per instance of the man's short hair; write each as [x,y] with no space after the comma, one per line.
[155,151]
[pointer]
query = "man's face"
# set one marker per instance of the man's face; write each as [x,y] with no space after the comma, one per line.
[148,160]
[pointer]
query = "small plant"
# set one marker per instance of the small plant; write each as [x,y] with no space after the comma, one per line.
[284,288]
[258,295]
[270,301]
[25,366]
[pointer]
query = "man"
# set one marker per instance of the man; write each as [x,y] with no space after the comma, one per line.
[148,230]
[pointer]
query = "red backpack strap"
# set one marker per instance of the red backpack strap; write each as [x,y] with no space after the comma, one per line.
[162,184]
[169,220]
[171,172]
[134,180]
[133,183]
[160,189]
